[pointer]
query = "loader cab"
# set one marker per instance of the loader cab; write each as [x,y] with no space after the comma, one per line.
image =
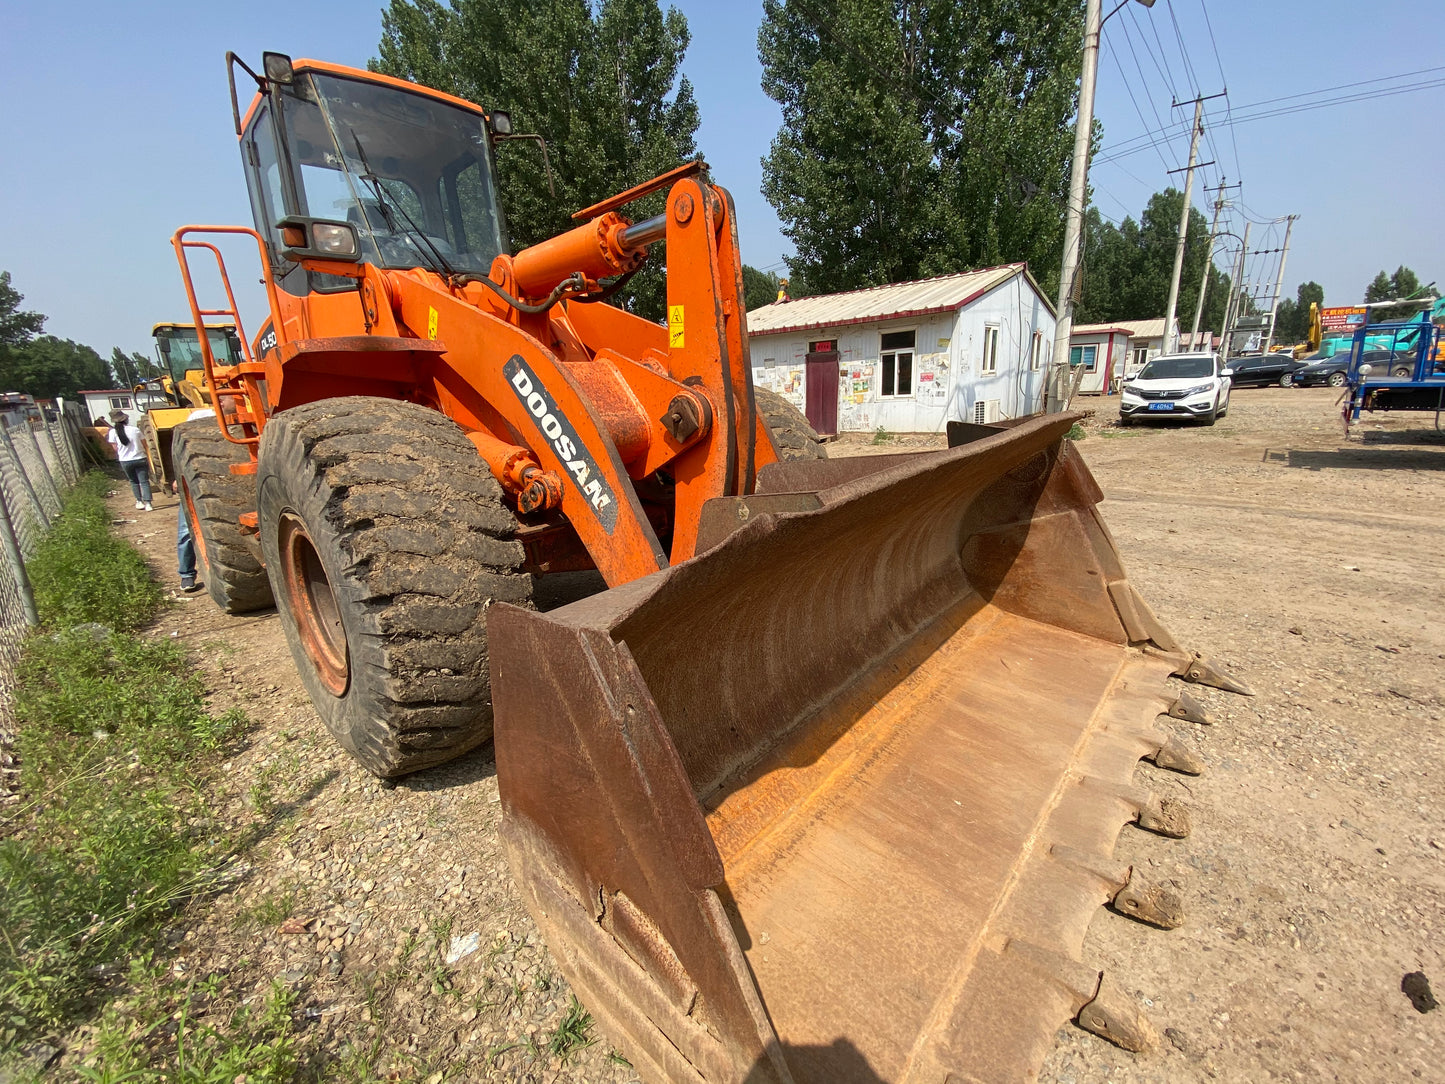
[411,173]
[179,349]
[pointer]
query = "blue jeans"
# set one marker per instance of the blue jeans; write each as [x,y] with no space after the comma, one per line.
[139,474]
[185,547]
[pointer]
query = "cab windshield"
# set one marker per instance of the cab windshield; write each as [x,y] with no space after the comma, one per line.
[180,349]
[1183,366]
[411,173]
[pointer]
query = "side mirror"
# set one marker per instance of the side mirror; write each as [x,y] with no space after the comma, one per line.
[1366,369]
[1226,372]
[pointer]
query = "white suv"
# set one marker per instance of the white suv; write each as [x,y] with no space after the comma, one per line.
[1177,386]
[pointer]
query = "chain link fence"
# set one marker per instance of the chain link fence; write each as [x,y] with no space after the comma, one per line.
[39,461]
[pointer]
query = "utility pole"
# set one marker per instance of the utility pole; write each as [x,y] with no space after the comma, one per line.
[1170,342]
[1056,386]
[1236,297]
[1058,382]
[1208,261]
[1278,284]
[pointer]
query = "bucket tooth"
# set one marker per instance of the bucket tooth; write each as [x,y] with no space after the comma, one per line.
[1165,817]
[1202,671]
[1146,902]
[1187,708]
[1112,1015]
[1177,757]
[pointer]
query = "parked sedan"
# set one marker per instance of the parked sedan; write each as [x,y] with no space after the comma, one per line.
[1333,370]
[1263,369]
[1177,386]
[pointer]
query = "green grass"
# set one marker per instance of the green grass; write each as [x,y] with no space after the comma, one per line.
[113,832]
[83,573]
[882,436]
[1076,432]
[574,1032]
[199,1043]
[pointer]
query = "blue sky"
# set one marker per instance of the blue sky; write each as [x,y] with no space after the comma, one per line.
[116,129]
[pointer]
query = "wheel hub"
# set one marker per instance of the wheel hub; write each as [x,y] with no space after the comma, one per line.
[313,605]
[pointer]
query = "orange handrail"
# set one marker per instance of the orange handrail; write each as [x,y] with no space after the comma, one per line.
[180,243]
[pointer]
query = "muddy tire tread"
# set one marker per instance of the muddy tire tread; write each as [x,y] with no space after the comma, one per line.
[795,438]
[423,545]
[233,572]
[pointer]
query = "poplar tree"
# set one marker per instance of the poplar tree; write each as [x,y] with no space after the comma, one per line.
[919,139]
[1127,267]
[601,84]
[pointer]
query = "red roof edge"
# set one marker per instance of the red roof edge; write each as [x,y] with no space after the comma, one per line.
[1019,269]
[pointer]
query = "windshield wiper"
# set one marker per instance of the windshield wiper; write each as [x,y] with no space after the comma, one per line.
[419,239]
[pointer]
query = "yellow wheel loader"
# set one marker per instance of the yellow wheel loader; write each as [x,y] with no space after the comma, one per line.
[165,401]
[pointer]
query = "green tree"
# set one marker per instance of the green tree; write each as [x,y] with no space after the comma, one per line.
[1127,267]
[16,327]
[759,287]
[1402,284]
[48,366]
[1292,319]
[132,368]
[919,139]
[601,84]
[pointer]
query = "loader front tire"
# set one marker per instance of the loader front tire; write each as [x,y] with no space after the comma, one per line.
[387,539]
[228,556]
[794,437]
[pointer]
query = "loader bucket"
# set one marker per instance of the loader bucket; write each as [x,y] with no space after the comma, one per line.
[835,801]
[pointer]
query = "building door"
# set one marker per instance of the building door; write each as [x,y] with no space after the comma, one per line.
[822,387]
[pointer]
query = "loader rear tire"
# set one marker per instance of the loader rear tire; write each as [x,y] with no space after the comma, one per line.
[228,557]
[792,434]
[386,538]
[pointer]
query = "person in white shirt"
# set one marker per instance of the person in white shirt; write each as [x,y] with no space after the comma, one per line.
[131,453]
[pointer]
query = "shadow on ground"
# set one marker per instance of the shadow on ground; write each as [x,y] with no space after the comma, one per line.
[1360,458]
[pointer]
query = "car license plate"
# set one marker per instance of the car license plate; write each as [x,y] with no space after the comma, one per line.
[1161,406]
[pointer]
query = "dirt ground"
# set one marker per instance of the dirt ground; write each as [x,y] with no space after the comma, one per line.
[1309,564]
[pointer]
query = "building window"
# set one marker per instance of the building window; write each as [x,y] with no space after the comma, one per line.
[120,402]
[1036,358]
[1141,355]
[985,412]
[1087,356]
[897,376]
[990,350]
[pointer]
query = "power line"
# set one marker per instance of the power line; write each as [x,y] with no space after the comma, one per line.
[1135,144]
[1117,63]
[1183,52]
[1204,7]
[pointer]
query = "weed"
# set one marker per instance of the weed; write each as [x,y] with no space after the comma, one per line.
[273,908]
[261,798]
[882,436]
[257,1045]
[84,573]
[114,833]
[573,1031]
[1076,432]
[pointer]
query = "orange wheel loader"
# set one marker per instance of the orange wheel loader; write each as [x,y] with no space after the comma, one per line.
[825,787]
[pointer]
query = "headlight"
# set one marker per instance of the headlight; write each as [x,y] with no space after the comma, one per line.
[334,239]
[1198,389]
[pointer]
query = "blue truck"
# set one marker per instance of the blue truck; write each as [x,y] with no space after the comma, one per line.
[1416,348]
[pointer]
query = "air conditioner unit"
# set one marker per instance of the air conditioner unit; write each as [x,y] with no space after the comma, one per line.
[985,411]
